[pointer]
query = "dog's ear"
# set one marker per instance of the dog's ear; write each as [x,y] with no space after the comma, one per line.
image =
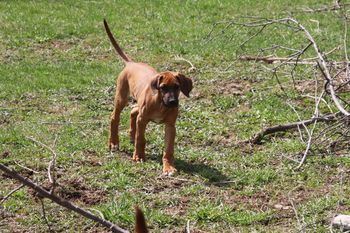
[185,84]
[155,84]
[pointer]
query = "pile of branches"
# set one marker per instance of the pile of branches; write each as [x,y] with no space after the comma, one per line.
[328,128]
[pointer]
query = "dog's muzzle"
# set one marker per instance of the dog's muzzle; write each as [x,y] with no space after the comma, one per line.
[172,103]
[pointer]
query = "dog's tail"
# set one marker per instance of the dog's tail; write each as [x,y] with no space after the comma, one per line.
[140,226]
[115,44]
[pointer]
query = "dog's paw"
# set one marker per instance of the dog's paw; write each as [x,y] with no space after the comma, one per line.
[113,147]
[138,158]
[169,170]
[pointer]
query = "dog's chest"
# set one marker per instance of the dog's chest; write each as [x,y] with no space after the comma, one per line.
[157,118]
[159,115]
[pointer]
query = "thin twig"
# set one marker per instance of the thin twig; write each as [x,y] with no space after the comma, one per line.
[309,134]
[335,7]
[294,209]
[192,68]
[26,168]
[321,99]
[44,215]
[188,227]
[256,139]
[323,66]
[51,166]
[10,193]
[288,60]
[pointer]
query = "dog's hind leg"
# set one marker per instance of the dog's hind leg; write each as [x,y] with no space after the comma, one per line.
[120,101]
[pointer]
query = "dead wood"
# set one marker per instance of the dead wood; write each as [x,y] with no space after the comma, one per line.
[273,60]
[337,6]
[258,137]
[60,201]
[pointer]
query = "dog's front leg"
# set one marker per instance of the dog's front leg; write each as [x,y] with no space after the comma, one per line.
[140,141]
[132,131]
[168,158]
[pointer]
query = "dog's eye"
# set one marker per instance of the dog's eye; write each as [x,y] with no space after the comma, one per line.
[164,88]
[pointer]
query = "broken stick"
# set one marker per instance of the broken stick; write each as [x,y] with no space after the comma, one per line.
[257,138]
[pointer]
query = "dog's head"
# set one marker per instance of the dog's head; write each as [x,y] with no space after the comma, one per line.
[169,85]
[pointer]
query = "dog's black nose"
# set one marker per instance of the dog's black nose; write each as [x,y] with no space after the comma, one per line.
[173,102]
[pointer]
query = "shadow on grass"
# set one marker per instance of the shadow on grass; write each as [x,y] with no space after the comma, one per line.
[213,175]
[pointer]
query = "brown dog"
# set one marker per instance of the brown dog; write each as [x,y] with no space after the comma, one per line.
[157,100]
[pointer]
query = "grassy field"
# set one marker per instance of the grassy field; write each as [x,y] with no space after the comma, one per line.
[57,82]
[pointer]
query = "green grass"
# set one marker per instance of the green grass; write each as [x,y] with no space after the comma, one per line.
[57,81]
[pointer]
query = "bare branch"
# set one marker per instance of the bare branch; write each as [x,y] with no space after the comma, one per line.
[44,216]
[10,194]
[309,134]
[192,68]
[24,167]
[52,163]
[257,138]
[188,227]
[324,68]
[288,60]
[320,61]
[335,7]
[61,201]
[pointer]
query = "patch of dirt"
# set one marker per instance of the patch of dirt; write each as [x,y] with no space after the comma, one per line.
[259,200]
[164,185]
[307,86]
[12,223]
[92,158]
[180,208]
[4,121]
[226,140]
[93,163]
[195,95]
[5,154]
[231,87]
[50,48]
[56,109]
[56,44]
[76,190]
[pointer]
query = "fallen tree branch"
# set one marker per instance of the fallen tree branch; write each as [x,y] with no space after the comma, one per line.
[321,61]
[335,7]
[323,67]
[289,60]
[61,201]
[267,59]
[258,137]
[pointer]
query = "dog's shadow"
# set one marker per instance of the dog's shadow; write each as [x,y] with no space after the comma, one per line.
[213,175]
